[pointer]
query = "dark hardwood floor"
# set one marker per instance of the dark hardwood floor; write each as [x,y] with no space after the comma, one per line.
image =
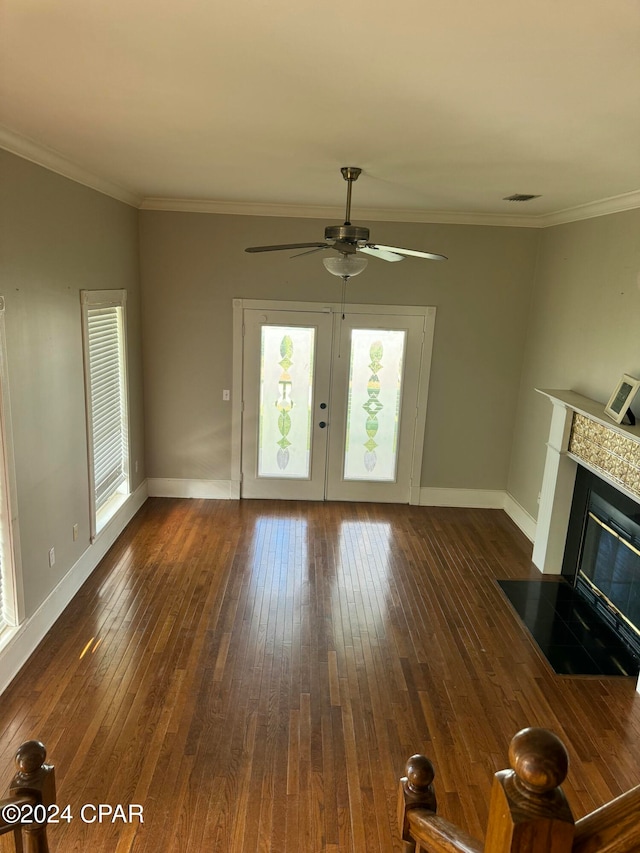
[256,674]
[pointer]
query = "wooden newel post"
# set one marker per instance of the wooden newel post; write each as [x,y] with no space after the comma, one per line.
[415,791]
[36,779]
[528,810]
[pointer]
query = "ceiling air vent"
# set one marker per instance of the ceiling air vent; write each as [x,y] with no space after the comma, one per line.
[520,197]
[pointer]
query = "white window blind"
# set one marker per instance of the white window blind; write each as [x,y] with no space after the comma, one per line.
[11,604]
[7,609]
[105,361]
[108,404]
[2,619]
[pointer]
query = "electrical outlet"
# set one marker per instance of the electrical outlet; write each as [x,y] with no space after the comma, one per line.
[226,394]
[75,532]
[52,557]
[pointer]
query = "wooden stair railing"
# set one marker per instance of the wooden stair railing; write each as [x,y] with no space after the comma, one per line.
[613,828]
[31,794]
[528,811]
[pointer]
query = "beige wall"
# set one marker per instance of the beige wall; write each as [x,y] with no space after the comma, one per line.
[193,265]
[58,237]
[583,330]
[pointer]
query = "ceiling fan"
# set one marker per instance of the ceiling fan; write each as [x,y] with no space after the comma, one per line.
[350,241]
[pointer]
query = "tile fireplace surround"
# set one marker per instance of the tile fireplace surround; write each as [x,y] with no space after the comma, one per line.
[580,434]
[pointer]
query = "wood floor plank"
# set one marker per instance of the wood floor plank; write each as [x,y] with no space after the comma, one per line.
[256,674]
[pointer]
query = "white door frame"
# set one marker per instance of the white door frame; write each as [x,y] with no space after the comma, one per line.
[427,312]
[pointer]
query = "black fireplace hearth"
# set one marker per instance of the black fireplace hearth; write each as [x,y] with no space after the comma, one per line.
[567,630]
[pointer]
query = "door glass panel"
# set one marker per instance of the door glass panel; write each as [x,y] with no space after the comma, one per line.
[286,391]
[373,408]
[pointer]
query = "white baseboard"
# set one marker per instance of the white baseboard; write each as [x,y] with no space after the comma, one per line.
[520,517]
[481,499]
[27,636]
[167,487]
[472,498]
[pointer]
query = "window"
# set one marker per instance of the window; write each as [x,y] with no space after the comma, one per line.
[10,587]
[103,315]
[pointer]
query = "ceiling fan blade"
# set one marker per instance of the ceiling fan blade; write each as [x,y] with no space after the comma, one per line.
[413,252]
[377,252]
[288,246]
[311,251]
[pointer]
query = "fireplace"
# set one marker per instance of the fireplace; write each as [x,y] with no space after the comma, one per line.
[588,521]
[602,554]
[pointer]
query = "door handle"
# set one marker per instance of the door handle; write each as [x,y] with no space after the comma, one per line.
[322,424]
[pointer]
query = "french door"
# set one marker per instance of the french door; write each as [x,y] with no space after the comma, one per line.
[333,406]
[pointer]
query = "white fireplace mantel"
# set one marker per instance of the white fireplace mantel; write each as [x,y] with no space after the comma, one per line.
[560,471]
[610,450]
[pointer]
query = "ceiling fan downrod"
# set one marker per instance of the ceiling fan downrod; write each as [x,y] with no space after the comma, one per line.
[350,174]
[345,237]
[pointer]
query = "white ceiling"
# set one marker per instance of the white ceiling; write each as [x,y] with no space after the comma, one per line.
[447,105]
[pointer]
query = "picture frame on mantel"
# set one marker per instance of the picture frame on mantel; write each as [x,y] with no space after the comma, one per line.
[622,398]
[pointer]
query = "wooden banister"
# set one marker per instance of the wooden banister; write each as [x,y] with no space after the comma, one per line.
[528,812]
[613,828]
[417,816]
[33,785]
[438,835]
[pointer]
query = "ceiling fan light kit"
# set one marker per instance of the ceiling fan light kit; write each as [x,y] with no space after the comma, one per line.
[345,265]
[349,240]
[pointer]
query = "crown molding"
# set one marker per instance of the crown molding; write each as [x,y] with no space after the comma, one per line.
[50,159]
[614,204]
[318,212]
[239,208]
